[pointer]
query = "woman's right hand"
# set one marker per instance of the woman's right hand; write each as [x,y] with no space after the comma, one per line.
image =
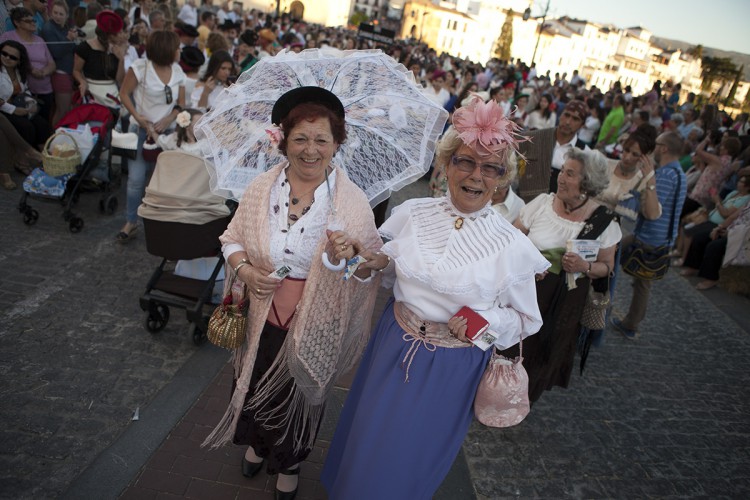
[259,284]
[83,88]
[210,84]
[21,111]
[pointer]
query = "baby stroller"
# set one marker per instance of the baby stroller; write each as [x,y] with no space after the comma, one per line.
[87,176]
[182,221]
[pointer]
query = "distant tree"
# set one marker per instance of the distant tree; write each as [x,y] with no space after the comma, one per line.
[717,69]
[358,17]
[696,51]
[729,101]
[505,40]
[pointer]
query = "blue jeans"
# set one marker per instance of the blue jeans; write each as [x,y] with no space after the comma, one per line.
[138,171]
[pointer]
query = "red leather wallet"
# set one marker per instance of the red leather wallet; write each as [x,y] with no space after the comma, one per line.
[475,323]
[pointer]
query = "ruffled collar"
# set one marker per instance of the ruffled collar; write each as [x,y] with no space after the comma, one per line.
[448,206]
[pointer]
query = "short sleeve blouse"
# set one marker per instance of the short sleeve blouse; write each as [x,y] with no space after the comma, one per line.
[150,95]
[98,65]
[548,230]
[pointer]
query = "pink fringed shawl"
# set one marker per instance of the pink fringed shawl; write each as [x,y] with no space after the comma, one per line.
[330,328]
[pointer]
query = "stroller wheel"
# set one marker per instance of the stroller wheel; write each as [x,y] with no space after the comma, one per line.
[199,336]
[156,318]
[75,225]
[110,205]
[30,216]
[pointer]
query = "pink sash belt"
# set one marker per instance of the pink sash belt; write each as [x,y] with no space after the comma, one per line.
[419,332]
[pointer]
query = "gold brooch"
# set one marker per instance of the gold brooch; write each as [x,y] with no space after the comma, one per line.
[459,223]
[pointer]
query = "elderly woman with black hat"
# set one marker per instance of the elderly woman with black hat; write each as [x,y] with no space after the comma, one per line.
[99,63]
[308,326]
[411,402]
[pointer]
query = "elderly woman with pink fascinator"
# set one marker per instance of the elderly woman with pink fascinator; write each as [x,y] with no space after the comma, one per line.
[411,403]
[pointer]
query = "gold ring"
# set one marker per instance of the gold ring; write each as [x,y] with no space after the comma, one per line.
[257,290]
[343,247]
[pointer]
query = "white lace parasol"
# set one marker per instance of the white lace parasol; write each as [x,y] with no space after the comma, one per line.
[392,127]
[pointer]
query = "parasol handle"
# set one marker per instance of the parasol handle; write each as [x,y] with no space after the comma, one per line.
[341,265]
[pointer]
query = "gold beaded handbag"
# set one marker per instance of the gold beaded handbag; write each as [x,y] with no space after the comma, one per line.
[228,323]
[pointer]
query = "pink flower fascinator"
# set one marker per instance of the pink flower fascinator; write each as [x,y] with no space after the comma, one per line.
[483,127]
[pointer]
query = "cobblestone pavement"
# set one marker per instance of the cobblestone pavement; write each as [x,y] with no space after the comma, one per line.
[75,359]
[666,415]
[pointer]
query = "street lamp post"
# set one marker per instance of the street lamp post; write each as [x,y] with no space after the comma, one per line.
[421,27]
[541,28]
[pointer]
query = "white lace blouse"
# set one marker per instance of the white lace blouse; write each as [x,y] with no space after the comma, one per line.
[487,265]
[294,246]
[549,230]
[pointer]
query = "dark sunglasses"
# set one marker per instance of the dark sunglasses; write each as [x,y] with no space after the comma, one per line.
[10,56]
[487,170]
[168,93]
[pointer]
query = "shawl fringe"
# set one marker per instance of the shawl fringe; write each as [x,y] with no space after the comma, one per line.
[329,331]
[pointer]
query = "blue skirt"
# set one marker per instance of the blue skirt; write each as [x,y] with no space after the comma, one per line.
[398,439]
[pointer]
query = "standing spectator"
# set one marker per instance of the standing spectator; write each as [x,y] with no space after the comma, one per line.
[435,91]
[157,20]
[208,22]
[191,61]
[37,9]
[545,152]
[42,63]
[220,68]
[612,123]
[591,126]
[5,7]
[99,63]
[60,39]
[92,10]
[246,50]
[140,10]
[543,116]
[189,14]
[670,189]
[153,92]
[136,42]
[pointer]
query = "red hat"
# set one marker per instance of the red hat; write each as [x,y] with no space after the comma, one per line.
[109,22]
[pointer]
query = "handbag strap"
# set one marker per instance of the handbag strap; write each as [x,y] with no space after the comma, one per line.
[639,224]
[597,222]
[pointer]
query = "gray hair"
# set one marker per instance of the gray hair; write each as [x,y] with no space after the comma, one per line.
[449,144]
[677,117]
[594,174]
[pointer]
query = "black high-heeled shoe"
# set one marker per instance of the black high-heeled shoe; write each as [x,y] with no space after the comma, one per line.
[251,469]
[287,495]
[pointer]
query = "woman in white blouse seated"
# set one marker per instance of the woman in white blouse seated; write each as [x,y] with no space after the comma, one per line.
[411,403]
[220,68]
[310,327]
[551,221]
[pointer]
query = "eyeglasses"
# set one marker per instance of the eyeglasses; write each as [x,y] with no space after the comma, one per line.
[486,169]
[28,20]
[10,56]
[661,144]
[168,93]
